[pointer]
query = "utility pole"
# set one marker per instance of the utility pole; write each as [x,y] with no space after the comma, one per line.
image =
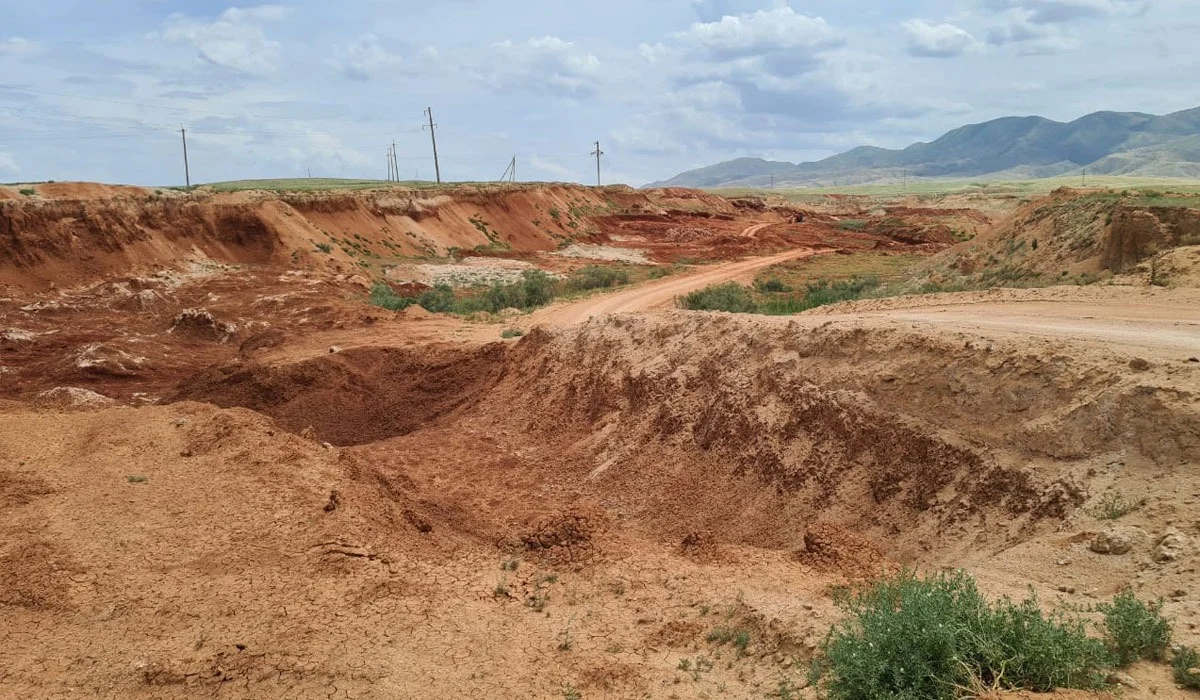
[310,173]
[1085,177]
[437,169]
[772,181]
[510,172]
[905,180]
[597,153]
[395,164]
[187,172]
[389,160]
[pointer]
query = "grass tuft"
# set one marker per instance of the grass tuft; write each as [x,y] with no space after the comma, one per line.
[1114,505]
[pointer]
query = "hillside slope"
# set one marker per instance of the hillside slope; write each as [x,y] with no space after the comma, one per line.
[1125,143]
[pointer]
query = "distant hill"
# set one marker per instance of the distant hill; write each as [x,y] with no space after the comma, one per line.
[1105,143]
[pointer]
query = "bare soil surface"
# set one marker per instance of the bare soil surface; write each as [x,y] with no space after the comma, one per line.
[233,478]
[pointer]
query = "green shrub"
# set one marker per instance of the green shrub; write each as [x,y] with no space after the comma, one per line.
[1135,630]
[852,225]
[825,292]
[1186,660]
[324,248]
[658,273]
[773,285]
[28,192]
[440,299]
[939,638]
[730,296]
[511,333]
[383,296]
[597,277]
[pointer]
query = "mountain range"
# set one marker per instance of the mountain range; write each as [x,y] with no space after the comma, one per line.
[1010,148]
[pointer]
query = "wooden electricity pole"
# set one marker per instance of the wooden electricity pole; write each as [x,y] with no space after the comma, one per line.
[187,172]
[597,153]
[437,169]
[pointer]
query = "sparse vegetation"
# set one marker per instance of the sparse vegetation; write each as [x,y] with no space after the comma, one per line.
[852,224]
[772,285]
[570,693]
[597,277]
[1185,668]
[324,248]
[508,333]
[730,296]
[1135,630]
[938,637]
[1113,506]
[136,479]
[27,192]
[535,288]
[738,637]
[736,298]
[383,296]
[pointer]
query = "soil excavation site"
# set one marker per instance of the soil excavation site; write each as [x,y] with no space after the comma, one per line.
[228,470]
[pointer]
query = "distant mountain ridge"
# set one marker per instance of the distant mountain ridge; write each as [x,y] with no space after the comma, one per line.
[1105,143]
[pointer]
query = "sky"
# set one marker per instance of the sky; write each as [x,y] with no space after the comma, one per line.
[99,89]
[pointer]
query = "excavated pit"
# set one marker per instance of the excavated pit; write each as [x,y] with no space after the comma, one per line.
[756,433]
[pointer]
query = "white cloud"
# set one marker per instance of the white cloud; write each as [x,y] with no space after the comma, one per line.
[546,64]
[18,46]
[8,164]
[1016,26]
[764,31]
[365,59]
[1056,11]
[937,40]
[234,40]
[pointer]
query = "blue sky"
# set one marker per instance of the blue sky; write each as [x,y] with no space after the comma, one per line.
[97,90]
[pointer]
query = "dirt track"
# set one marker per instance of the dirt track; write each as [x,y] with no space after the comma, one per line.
[661,294]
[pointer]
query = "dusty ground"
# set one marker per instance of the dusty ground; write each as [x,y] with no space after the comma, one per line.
[287,493]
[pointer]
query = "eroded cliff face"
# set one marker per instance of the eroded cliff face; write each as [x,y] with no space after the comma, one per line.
[1140,233]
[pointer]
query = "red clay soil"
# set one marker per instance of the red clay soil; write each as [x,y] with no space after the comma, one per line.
[355,396]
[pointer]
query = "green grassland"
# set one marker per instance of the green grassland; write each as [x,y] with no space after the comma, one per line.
[1016,188]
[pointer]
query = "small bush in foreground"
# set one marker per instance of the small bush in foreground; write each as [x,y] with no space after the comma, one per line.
[27,192]
[1135,630]
[1186,661]
[730,296]
[939,638]
[511,333]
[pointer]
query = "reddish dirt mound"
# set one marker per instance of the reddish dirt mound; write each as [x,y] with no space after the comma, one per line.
[355,396]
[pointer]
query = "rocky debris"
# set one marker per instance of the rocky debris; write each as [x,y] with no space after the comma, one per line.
[1137,364]
[1122,679]
[98,358]
[200,324]
[1172,546]
[71,397]
[1117,540]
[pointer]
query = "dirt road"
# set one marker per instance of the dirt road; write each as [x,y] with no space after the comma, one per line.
[663,293]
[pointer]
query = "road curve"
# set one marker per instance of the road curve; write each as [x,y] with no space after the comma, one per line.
[661,293]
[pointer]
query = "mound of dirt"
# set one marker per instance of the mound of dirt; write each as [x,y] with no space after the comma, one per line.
[199,324]
[354,396]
